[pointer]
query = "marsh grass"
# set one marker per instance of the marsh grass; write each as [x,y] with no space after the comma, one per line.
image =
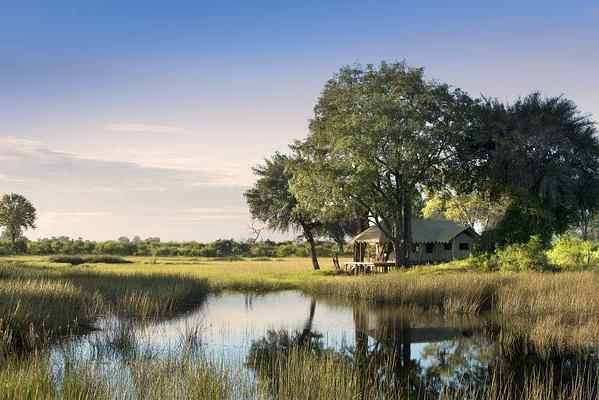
[546,313]
[298,374]
[546,310]
[291,374]
[39,303]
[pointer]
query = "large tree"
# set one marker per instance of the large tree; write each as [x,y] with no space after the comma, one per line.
[378,135]
[271,202]
[16,215]
[541,153]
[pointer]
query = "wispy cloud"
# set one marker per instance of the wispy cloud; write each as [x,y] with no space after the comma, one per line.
[143,128]
[99,199]
[12,142]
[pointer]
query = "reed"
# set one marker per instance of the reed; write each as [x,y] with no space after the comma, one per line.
[39,304]
[294,374]
[546,310]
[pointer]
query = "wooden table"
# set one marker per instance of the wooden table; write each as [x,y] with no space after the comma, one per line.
[367,267]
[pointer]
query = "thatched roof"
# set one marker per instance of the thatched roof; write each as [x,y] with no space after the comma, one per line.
[423,231]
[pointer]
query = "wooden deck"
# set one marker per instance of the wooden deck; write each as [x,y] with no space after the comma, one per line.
[367,267]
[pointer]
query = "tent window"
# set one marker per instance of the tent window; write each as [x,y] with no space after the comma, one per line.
[429,248]
[447,246]
[415,248]
[464,246]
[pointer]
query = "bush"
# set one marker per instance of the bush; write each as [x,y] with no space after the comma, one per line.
[228,258]
[78,260]
[67,259]
[285,250]
[574,253]
[106,259]
[481,262]
[519,257]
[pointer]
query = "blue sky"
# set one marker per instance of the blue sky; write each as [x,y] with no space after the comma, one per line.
[144,118]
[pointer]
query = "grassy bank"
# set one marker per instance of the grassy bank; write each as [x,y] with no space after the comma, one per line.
[41,302]
[546,310]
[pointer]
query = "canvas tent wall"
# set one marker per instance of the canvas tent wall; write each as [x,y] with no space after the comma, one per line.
[433,241]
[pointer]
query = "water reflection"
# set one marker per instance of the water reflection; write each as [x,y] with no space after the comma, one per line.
[451,359]
[397,351]
[381,353]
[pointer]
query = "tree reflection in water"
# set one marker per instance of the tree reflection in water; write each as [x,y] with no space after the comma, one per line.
[280,342]
[381,361]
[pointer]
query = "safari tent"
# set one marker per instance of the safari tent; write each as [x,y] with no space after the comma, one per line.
[432,241]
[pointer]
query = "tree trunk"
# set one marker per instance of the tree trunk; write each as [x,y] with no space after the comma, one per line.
[340,246]
[586,219]
[407,229]
[398,243]
[13,240]
[310,238]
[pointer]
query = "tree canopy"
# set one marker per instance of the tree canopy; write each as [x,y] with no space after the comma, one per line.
[378,135]
[384,139]
[16,215]
[271,202]
[543,154]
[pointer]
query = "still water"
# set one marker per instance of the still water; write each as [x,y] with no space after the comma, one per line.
[439,350]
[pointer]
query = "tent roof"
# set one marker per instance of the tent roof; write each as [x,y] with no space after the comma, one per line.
[423,231]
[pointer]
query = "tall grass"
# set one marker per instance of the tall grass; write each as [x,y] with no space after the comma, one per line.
[38,304]
[546,309]
[302,375]
[294,374]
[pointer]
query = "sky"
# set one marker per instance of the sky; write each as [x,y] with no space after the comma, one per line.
[125,118]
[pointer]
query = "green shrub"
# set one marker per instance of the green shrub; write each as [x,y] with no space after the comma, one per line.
[285,250]
[519,257]
[67,259]
[78,260]
[229,258]
[574,253]
[106,259]
[481,262]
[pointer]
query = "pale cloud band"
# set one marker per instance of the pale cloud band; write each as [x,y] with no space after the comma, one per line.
[143,128]
[103,199]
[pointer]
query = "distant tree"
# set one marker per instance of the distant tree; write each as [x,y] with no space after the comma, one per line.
[271,202]
[378,135]
[17,214]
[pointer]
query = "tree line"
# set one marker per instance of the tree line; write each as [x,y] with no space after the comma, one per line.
[18,214]
[153,247]
[386,145]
